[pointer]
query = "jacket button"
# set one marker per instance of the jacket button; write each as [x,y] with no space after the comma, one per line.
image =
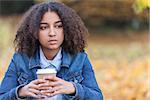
[76,81]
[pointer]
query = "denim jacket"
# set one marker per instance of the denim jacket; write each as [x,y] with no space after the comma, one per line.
[74,68]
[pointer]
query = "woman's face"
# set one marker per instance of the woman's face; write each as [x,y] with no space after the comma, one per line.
[51,34]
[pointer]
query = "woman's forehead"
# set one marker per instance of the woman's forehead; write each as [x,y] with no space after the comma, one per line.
[50,16]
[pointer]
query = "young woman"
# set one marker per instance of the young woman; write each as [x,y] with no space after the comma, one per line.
[51,35]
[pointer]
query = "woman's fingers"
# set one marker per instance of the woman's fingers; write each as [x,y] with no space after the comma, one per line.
[34,91]
[47,91]
[56,92]
[51,94]
[33,86]
[38,81]
[49,84]
[51,90]
[52,78]
[32,95]
[57,88]
[36,96]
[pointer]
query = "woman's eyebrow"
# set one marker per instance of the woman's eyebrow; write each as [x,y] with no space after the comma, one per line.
[43,23]
[58,22]
[47,23]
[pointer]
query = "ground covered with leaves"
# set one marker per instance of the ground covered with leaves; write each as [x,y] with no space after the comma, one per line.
[120,59]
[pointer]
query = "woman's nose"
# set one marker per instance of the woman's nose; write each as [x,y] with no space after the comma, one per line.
[51,32]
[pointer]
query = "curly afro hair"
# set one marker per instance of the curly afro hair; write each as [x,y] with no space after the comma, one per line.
[75,32]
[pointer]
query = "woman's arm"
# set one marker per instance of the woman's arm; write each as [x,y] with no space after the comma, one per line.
[88,89]
[11,89]
[9,83]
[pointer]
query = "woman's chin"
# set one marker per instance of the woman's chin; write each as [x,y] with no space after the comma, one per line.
[54,47]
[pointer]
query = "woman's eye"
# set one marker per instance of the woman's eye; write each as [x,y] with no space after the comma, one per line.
[43,27]
[58,26]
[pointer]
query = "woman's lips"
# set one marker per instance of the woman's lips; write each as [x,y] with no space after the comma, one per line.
[52,42]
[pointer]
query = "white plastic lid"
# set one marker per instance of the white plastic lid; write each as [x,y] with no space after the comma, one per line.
[46,71]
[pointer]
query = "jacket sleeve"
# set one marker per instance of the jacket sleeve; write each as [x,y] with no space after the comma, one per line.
[9,85]
[88,89]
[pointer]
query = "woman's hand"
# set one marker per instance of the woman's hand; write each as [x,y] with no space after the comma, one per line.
[31,89]
[56,86]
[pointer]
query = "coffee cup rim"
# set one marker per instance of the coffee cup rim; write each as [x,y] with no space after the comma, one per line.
[46,71]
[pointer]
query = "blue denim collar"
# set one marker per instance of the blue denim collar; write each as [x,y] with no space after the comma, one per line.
[66,59]
[34,62]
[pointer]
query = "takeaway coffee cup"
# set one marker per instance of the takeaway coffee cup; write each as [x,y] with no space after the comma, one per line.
[45,72]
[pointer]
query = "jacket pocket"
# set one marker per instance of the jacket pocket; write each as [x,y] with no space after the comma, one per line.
[75,77]
[24,78]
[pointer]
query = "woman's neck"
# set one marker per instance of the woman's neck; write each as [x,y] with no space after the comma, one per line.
[50,54]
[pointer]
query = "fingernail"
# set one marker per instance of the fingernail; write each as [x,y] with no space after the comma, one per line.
[42,91]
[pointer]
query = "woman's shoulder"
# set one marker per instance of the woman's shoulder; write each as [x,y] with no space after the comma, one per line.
[18,56]
[82,54]
[78,57]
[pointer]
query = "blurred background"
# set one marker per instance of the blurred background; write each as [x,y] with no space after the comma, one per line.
[118,45]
